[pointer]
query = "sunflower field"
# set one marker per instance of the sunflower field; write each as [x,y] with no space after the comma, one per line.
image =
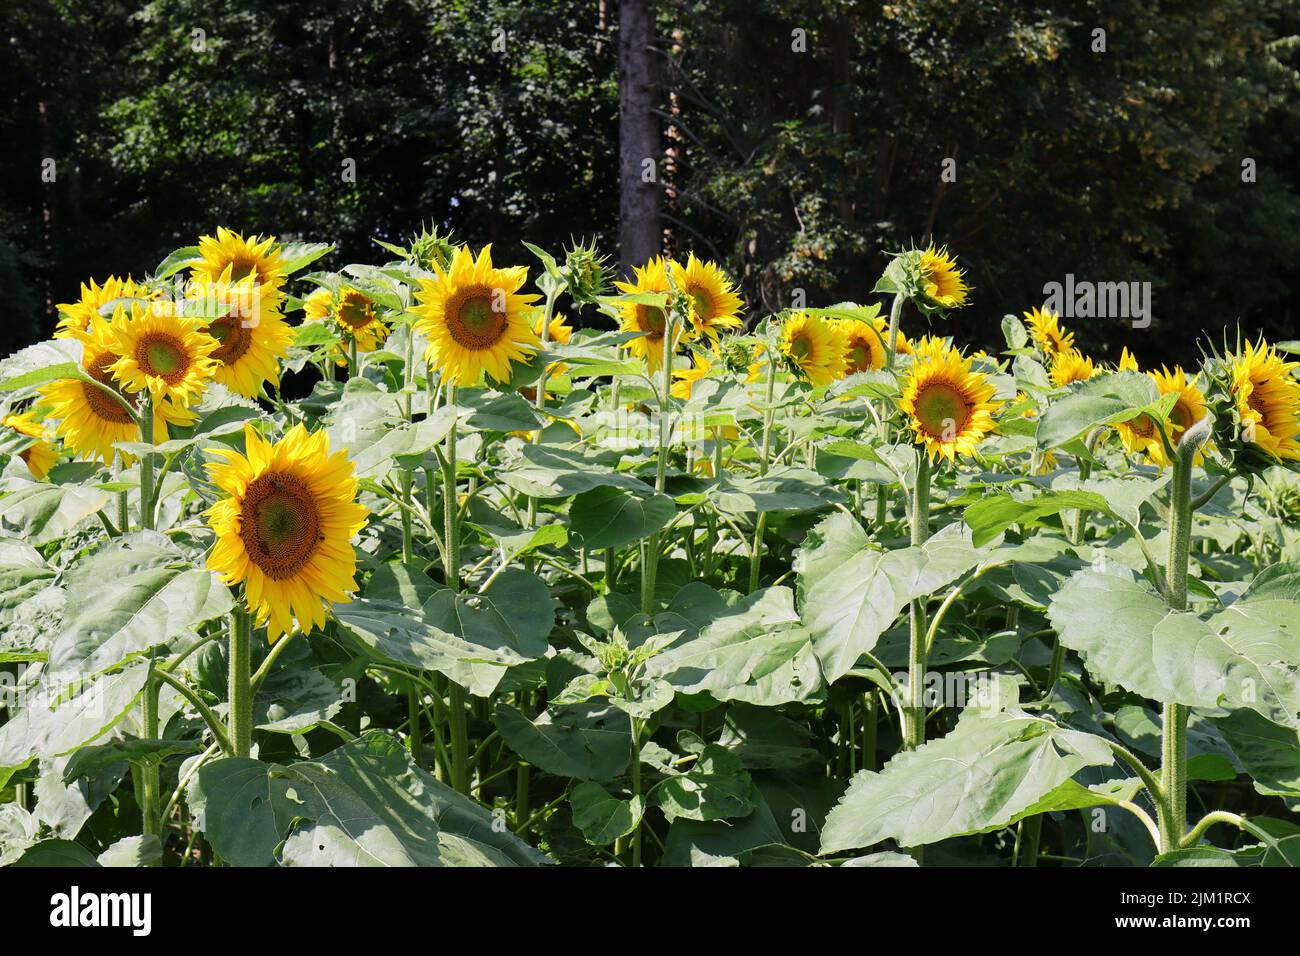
[452,562]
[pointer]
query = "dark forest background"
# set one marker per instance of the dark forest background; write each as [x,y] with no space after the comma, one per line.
[797,141]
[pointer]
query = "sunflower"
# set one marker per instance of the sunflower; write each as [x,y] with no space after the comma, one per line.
[1045,329]
[40,455]
[1071,366]
[1127,362]
[687,377]
[252,335]
[163,351]
[285,527]
[942,279]
[714,303]
[90,420]
[1187,411]
[231,257]
[949,405]
[650,319]
[475,319]
[865,343]
[76,316]
[1267,400]
[1140,435]
[354,311]
[817,347]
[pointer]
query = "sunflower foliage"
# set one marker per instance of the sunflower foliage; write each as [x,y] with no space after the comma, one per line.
[688,586]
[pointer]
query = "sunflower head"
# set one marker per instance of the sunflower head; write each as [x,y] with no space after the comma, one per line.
[1142,436]
[90,420]
[1046,331]
[251,333]
[864,343]
[475,318]
[1265,404]
[230,257]
[95,301]
[685,378]
[38,454]
[284,527]
[714,304]
[163,351]
[1071,366]
[949,406]
[651,320]
[356,316]
[814,346]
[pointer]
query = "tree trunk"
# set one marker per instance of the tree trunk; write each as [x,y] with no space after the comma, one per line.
[638,137]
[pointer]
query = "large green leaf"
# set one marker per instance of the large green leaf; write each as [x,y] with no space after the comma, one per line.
[754,651]
[40,513]
[991,515]
[850,591]
[613,517]
[242,807]
[367,804]
[570,744]
[601,816]
[992,769]
[471,638]
[56,719]
[781,489]
[1240,657]
[1106,399]
[135,594]
[716,788]
[542,471]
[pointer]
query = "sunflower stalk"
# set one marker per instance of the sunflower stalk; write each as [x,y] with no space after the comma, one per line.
[1172,804]
[895,314]
[650,550]
[146,465]
[456,702]
[914,714]
[756,553]
[240,685]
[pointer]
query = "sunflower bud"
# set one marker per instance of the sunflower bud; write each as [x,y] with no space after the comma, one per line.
[585,273]
[430,247]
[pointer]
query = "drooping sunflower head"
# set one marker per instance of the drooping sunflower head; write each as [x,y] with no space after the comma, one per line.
[77,316]
[950,407]
[1071,366]
[163,351]
[90,420]
[942,281]
[714,304]
[284,527]
[1046,331]
[864,343]
[652,320]
[814,346]
[252,335]
[1267,400]
[231,257]
[39,455]
[475,318]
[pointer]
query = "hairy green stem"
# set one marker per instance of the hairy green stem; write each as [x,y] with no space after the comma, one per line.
[914,728]
[240,686]
[756,553]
